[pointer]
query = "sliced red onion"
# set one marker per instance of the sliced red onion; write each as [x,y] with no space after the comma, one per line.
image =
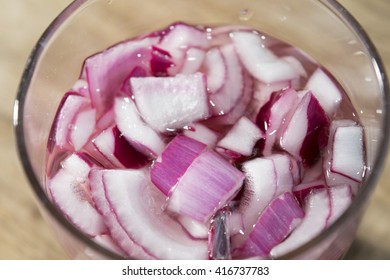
[171,102]
[170,167]
[107,71]
[353,171]
[81,87]
[135,130]
[224,100]
[69,189]
[347,152]
[113,146]
[82,129]
[241,138]
[138,72]
[178,39]
[325,90]
[303,132]
[127,193]
[160,63]
[284,173]
[202,134]
[262,92]
[317,211]
[276,222]
[71,105]
[273,114]
[340,198]
[117,232]
[216,70]
[309,64]
[241,108]
[296,64]
[208,184]
[259,189]
[105,121]
[259,60]
[193,62]
[301,191]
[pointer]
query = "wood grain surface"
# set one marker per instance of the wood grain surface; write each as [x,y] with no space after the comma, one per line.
[23,232]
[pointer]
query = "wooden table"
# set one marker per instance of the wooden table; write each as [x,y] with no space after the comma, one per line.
[24,234]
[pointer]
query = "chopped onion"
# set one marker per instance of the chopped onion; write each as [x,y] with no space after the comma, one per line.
[276,222]
[208,184]
[171,102]
[135,130]
[174,161]
[259,60]
[325,90]
[69,189]
[241,138]
[317,211]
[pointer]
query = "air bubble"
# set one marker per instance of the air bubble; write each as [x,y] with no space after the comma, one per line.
[245,14]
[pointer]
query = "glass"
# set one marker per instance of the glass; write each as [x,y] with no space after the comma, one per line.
[323,29]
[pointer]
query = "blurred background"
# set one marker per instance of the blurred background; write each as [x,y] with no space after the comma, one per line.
[23,232]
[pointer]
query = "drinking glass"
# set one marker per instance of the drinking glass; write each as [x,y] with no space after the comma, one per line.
[323,29]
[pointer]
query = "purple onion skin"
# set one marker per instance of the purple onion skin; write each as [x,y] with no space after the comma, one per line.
[160,62]
[176,158]
[263,118]
[126,154]
[51,143]
[317,133]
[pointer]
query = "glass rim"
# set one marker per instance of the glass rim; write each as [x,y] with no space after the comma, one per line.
[367,186]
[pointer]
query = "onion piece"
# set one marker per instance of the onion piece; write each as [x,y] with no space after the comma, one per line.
[305,132]
[171,102]
[259,60]
[69,189]
[82,129]
[117,232]
[81,87]
[193,62]
[167,170]
[284,169]
[240,109]
[224,100]
[241,138]
[128,194]
[195,229]
[262,93]
[160,62]
[178,38]
[350,168]
[301,191]
[325,90]
[216,69]
[347,152]
[276,222]
[258,192]
[107,71]
[202,134]
[317,211]
[70,106]
[208,184]
[273,114]
[115,148]
[340,198]
[135,130]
